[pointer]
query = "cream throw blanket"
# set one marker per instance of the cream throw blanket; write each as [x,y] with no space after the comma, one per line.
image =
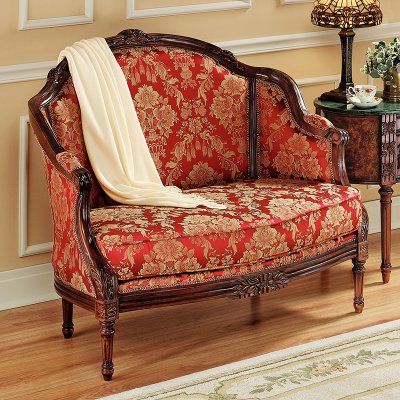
[114,139]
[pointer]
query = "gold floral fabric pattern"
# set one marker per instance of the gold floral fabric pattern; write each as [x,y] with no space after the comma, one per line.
[66,121]
[264,219]
[193,113]
[226,273]
[66,258]
[318,121]
[68,161]
[286,151]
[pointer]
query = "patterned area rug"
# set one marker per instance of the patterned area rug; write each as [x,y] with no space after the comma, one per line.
[360,365]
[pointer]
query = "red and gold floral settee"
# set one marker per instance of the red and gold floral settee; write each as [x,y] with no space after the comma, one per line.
[234,133]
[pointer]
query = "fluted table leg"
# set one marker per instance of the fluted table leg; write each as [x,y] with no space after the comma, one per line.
[386,193]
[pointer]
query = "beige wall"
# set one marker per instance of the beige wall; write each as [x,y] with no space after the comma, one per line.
[264,18]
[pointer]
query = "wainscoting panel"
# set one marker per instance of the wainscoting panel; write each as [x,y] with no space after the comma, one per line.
[25,23]
[318,80]
[285,2]
[24,248]
[133,12]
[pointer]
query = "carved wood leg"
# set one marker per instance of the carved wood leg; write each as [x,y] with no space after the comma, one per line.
[107,337]
[106,312]
[68,325]
[358,273]
[359,262]
[386,193]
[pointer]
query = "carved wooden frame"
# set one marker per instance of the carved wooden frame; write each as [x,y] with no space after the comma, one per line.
[389,152]
[108,303]
[388,177]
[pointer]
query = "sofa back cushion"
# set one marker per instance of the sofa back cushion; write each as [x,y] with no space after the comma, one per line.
[193,113]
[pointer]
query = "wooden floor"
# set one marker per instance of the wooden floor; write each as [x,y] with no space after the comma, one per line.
[155,345]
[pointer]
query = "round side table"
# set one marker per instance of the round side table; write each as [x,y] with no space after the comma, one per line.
[372,155]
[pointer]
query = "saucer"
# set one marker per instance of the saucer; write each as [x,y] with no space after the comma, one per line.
[356,102]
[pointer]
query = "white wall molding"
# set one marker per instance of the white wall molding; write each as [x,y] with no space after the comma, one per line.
[286,2]
[25,72]
[318,80]
[133,12]
[39,70]
[305,40]
[24,286]
[24,248]
[25,23]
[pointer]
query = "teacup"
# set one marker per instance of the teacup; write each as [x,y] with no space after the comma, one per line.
[364,93]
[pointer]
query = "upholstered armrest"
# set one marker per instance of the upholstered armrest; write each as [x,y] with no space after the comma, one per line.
[68,161]
[69,165]
[65,192]
[76,257]
[293,143]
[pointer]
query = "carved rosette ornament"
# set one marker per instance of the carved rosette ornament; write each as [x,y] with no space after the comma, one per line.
[259,284]
[228,56]
[130,37]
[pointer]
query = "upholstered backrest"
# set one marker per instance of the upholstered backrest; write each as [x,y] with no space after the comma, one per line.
[285,149]
[193,112]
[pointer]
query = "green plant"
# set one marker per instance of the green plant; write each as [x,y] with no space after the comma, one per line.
[381,59]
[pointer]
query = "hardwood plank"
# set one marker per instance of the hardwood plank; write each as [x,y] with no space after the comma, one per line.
[160,344]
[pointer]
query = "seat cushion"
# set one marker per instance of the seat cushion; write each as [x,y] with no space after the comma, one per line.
[195,278]
[264,219]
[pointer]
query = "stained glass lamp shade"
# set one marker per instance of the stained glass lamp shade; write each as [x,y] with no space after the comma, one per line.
[345,14]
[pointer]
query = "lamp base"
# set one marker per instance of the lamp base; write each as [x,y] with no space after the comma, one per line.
[338,95]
